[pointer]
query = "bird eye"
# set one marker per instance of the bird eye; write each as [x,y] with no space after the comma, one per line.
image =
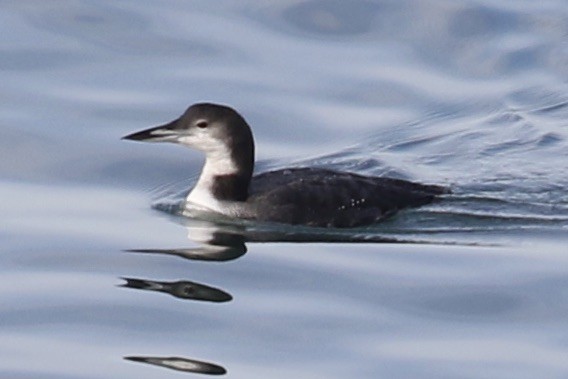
[202,124]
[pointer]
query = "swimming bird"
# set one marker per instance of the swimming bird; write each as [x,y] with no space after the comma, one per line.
[305,195]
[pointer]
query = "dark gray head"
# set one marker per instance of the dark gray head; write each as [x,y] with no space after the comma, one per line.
[219,131]
[206,127]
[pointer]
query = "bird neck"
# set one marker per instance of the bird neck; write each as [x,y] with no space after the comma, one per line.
[225,177]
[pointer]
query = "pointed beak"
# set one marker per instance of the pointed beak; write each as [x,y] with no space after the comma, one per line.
[163,133]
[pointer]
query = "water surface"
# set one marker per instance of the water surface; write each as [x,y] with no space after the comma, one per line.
[101,282]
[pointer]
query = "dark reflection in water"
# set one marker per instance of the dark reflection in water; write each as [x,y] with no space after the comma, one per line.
[213,253]
[182,289]
[181,364]
[214,246]
[222,243]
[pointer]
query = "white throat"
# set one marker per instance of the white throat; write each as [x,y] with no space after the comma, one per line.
[218,162]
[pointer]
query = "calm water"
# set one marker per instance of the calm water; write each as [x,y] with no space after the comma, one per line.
[101,281]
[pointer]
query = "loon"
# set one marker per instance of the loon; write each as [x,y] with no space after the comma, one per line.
[308,196]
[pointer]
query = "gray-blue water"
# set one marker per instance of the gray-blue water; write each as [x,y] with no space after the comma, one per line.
[98,283]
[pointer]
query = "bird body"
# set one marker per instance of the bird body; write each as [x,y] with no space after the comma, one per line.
[306,195]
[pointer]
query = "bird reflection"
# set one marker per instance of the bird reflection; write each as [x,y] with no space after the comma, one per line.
[222,243]
[215,245]
[181,364]
[182,289]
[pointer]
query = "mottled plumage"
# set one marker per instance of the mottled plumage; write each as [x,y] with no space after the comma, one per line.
[306,196]
[327,198]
